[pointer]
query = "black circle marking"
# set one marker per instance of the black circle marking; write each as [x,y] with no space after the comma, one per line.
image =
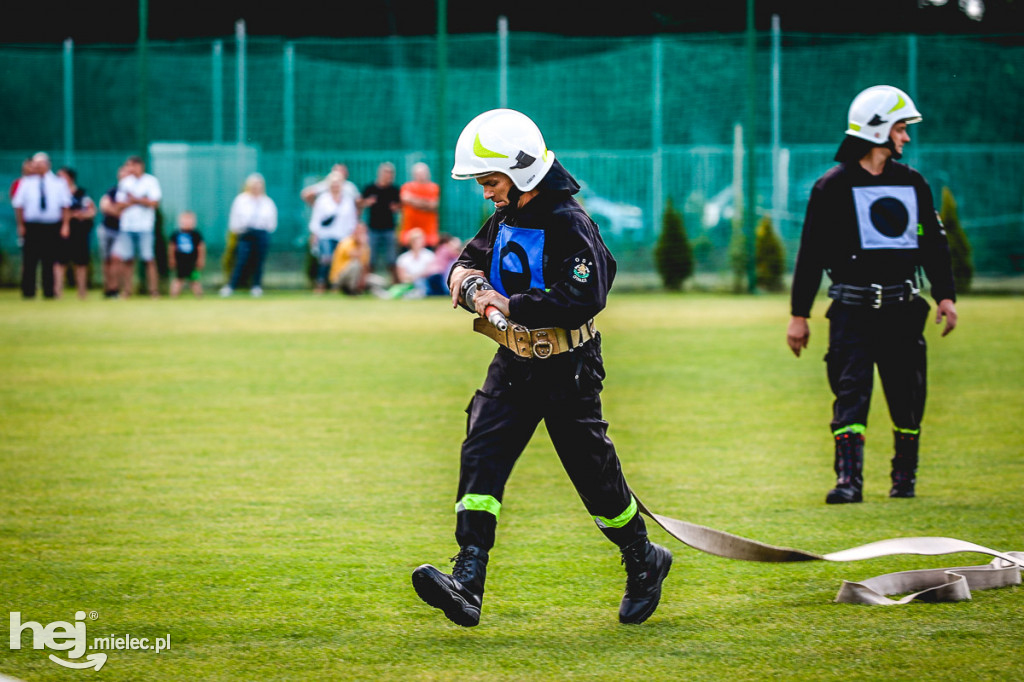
[889,216]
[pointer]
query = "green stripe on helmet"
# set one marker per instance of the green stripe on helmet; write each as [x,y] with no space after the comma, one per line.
[900,103]
[620,520]
[483,152]
[484,503]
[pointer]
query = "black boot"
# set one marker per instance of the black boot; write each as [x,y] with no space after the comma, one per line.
[849,469]
[461,594]
[904,464]
[647,564]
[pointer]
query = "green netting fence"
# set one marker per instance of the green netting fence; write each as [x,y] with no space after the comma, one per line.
[637,120]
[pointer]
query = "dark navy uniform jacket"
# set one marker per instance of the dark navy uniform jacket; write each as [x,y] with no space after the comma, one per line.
[870,229]
[548,257]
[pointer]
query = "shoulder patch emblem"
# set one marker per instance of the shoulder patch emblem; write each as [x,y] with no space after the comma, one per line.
[581,270]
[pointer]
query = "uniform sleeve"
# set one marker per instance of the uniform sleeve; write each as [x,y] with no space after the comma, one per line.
[934,247]
[810,256]
[578,282]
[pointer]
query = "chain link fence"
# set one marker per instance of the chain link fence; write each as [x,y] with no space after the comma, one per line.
[637,120]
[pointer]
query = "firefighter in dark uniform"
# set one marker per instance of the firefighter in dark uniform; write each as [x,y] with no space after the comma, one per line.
[871,224]
[551,273]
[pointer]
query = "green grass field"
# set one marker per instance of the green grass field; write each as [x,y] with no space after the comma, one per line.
[258,478]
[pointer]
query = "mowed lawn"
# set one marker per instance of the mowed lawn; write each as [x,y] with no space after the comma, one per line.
[258,479]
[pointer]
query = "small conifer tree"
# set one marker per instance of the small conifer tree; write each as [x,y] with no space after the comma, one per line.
[672,254]
[959,246]
[770,256]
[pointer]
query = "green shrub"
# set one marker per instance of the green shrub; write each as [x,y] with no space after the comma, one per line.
[672,255]
[959,246]
[738,258]
[770,258]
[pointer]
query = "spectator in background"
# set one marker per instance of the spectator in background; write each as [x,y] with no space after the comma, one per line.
[448,250]
[42,210]
[74,249]
[27,168]
[333,219]
[253,218]
[350,269]
[310,193]
[420,199]
[107,235]
[140,194]
[413,268]
[186,255]
[383,199]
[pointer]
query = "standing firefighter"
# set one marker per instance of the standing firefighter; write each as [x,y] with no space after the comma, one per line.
[871,224]
[551,273]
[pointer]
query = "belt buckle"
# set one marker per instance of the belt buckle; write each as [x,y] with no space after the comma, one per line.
[877,303]
[542,347]
[912,291]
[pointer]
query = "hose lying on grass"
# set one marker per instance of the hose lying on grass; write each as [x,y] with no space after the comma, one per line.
[929,585]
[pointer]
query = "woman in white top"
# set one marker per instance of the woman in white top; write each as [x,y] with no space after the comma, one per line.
[253,218]
[333,219]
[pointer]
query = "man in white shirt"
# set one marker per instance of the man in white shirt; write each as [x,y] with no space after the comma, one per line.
[42,210]
[140,193]
[332,220]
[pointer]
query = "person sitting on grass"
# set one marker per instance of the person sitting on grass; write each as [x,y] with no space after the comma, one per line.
[350,268]
[413,267]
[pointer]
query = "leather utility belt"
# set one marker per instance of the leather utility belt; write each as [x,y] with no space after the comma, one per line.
[874,295]
[537,343]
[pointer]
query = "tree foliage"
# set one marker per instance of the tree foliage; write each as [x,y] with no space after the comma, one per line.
[959,246]
[770,257]
[672,254]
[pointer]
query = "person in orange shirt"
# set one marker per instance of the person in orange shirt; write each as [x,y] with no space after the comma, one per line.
[419,205]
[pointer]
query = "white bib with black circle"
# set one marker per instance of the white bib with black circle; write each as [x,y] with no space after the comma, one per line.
[886,216]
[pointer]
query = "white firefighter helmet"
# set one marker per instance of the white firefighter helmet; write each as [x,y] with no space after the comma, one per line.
[875,110]
[503,141]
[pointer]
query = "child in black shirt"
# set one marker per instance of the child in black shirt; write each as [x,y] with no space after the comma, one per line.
[186,254]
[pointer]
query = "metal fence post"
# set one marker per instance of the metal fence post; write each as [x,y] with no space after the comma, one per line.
[657,200]
[749,144]
[142,141]
[778,199]
[217,90]
[288,101]
[442,112]
[503,62]
[69,103]
[240,38]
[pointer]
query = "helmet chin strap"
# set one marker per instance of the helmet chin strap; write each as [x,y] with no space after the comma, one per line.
[891,146]
[514,195]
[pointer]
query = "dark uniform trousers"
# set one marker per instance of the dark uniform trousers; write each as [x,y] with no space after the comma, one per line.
[41,243]
[564,391]
[891,337]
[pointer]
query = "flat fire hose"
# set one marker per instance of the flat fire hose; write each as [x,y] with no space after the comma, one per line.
[929,585]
